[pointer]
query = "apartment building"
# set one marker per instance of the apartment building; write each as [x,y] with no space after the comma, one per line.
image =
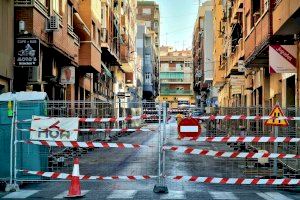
[90,43]
[176,77]
[6,45]
[257,36]
[203,59]
[148,16]
[68,52]
[258,62]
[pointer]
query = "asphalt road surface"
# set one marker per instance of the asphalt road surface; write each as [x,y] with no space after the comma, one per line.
[112,162]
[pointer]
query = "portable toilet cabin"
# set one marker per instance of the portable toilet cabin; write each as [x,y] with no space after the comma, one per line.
[31,157]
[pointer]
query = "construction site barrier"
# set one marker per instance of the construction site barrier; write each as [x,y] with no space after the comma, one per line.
[242,139]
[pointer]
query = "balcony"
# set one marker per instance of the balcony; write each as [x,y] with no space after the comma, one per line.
[235,56]
[33,3]
[256,42]
[110,47]
[176,81]
[90,57]
[237,8]
[285,17]
[172,75]
[175,92]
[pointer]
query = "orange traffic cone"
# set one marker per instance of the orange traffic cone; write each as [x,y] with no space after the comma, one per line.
[74,189]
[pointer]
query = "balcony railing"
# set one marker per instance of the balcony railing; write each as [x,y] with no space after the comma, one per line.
[73,34]
[176,81]
[37,4]
[175,92]
[104,35]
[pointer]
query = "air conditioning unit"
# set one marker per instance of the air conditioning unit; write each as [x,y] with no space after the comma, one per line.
[33,74]
[53,23]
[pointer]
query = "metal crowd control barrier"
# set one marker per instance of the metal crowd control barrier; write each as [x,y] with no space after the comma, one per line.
[116,131]
[235,148]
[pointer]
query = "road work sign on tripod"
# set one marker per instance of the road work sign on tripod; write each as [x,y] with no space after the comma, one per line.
[276,114]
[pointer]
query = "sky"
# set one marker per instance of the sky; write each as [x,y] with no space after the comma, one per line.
[177,18]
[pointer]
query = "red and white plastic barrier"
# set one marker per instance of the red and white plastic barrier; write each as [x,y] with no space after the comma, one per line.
[216,180]
[85,144]
[223,154]
[57,175]
[237,181]
[243,139]
[94,130]
[244,117]
[99,119]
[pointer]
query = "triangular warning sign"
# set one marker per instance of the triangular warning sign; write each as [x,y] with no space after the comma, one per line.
[276,112]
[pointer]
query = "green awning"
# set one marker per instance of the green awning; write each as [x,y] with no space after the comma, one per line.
[106,70]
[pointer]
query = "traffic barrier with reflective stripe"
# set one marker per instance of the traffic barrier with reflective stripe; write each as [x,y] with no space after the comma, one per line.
[93,130]
[244,117]
[223,154]
[243,139]
[237,181]
[97,120]
[57,175]
[85,144]
[216,180]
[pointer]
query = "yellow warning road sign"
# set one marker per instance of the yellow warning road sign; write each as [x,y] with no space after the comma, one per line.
[274,121]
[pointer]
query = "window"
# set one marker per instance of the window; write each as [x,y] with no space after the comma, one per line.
[94,30]
[146,11]
[248,24]
[70,15]
[148,24]
[99,37]
[103,17]
[56,6]
[256,11]
[155,25]
[147,78]
[164,66]
[147,60]
[179,66]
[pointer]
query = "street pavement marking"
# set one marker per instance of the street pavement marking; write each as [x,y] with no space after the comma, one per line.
[272,196]
[173,195]
[122,194]
[22,194]
[63,194]
[223,195]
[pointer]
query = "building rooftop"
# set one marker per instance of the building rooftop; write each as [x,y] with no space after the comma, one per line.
[147,3]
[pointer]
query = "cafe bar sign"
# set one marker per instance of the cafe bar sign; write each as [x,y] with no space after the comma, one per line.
[27,52]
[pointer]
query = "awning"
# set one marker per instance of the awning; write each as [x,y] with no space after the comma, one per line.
[106,70]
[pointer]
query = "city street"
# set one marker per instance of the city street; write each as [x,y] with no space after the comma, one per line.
[110,162]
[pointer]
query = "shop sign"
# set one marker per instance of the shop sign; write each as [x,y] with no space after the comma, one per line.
[54,129]
[237,80]
[67,75]
[27,52]
[283,58]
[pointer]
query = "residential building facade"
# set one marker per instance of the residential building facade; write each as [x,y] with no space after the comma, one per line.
[69,37]
[6,45]
[149,17]
[93,42]
[203,60]
[252,67]
[176,77]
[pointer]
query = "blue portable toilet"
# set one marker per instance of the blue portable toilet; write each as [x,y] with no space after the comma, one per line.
[30,157]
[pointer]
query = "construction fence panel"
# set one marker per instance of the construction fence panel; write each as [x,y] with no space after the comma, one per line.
[115,141]
[221,156]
